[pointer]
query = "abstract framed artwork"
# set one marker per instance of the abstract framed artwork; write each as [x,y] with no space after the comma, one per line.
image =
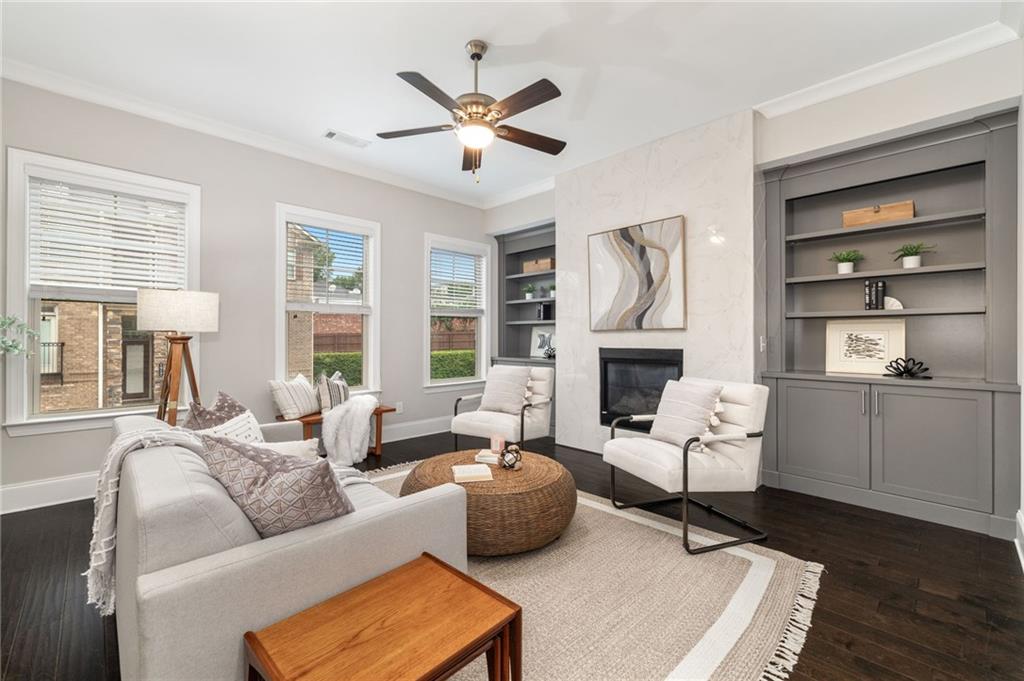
[863,346]
[542,338]
[638,277]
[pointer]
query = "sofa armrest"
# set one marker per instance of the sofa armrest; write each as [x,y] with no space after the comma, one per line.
[284,431]
[204,606]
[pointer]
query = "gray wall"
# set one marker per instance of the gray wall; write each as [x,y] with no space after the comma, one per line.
[240,185]
[530,211]
[985,77]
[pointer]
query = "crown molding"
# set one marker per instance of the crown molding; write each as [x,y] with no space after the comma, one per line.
[44,79]
[953,48]
[545,185]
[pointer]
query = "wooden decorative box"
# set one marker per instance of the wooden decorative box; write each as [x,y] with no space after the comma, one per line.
[886,212]
[538,265]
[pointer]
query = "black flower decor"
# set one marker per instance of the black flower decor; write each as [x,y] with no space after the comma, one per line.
[906,368]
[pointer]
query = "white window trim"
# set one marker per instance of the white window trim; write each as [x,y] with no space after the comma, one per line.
[21,164]
[288,213]
[451,243]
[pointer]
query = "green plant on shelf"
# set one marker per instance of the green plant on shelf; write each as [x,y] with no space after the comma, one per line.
[529,288]
[910,250]
[852,255]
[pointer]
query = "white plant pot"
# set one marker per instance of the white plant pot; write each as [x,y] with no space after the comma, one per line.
[844,267]
[551,294]
[911,261]
[528,296]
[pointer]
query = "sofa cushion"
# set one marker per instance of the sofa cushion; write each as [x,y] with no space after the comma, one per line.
[277,492]
[243,428]
[179,511]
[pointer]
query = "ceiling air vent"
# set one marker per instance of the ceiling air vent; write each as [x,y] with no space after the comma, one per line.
[345,138]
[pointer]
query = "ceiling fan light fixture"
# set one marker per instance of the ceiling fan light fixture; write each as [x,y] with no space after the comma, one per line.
[475,134]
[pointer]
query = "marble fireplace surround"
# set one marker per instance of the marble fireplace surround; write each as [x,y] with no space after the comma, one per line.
[705,174]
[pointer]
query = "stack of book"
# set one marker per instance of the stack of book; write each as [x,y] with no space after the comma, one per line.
[874,295]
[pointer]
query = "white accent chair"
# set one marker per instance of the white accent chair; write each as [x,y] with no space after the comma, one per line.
[533,420]
[730,464]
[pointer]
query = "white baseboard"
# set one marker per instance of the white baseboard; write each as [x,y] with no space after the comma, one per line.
[1019,540]
[408,429]
[23,496]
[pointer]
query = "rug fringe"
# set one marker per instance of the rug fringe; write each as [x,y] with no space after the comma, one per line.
[784,659]
[373,472]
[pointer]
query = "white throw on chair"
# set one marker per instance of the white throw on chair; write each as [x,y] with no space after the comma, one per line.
[531,420]
[729,461]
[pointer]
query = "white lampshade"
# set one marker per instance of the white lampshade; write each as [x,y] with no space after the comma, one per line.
[181,311]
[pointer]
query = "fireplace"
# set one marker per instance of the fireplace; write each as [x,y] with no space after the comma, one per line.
[632,380]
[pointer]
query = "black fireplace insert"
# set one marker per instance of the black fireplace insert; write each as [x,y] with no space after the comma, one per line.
[632,380]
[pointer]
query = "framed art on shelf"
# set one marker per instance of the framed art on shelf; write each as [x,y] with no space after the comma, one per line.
[638,277]
[863,346]
[543,337]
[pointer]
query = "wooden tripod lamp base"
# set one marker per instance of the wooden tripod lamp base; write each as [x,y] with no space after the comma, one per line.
[177,355]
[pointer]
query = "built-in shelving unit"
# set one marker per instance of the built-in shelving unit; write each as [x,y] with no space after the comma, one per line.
[519,317]
[931,449]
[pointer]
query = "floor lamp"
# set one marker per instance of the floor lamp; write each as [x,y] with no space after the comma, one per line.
[178,313]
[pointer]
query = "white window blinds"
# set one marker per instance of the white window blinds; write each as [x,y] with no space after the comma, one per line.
[326,267]
[456,283]
[96,243]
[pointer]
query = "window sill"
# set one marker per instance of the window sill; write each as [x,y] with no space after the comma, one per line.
[452,386]
[74,422]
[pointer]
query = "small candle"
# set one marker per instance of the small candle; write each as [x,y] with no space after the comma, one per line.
[497,444]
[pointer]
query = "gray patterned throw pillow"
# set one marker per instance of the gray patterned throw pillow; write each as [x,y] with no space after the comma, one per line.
[277,492]
[223,409]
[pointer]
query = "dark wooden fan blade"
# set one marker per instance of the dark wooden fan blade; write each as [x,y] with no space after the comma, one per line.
[548,145]
[471,158]
[413,131]
[527,98]
[429,89]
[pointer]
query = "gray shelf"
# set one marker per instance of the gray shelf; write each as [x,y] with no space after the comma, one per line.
[531,275]
[532,322]
[910,312]
[894,272]
[923,221]
[523,301]
[936,382]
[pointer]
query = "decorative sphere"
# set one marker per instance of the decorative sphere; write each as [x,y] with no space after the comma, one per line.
[511,456]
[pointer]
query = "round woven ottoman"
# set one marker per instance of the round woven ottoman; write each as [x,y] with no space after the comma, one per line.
[517,511]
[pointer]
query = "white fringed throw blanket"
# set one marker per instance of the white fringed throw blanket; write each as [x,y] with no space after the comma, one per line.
[100,575]
[346,430]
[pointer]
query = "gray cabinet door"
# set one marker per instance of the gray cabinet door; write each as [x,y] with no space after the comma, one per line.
[933,444]
[824,431]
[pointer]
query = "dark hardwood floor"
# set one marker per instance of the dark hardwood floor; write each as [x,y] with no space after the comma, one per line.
[901,598]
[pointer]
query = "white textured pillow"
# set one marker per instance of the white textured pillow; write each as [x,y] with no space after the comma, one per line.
[242,428]
[307,449]
[294,398]
[505,390]
[686,411]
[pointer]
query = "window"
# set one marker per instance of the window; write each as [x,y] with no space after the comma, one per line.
[83,240]
[327,288]
[456,310]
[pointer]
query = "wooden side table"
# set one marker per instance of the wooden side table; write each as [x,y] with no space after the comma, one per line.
[310,420]
[423,620]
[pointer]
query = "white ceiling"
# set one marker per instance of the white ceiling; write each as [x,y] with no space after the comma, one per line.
[629,72]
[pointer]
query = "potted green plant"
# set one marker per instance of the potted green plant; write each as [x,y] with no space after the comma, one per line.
[845,260]
[528,291]
[551,291]
[911,254]
[15,336]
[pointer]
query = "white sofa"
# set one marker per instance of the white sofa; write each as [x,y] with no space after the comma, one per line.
[193,575]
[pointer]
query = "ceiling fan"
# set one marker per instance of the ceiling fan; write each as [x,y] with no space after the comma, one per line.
[476,116]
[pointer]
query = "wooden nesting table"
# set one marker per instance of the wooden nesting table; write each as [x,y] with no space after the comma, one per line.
[423,620]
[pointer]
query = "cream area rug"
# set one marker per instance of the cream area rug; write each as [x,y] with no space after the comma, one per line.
[617,598]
